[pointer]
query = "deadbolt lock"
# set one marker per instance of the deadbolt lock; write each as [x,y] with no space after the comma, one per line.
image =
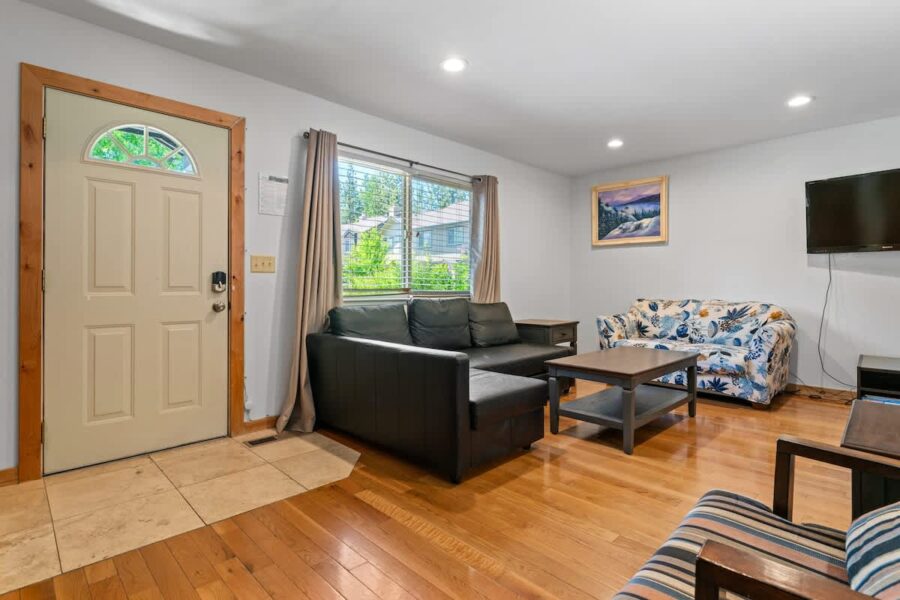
[219,282]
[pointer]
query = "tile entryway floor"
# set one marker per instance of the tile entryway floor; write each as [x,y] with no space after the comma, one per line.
[77,518]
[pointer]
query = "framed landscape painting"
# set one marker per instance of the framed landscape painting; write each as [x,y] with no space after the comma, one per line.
[630,212]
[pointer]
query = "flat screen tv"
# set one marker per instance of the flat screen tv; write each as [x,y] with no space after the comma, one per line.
[859,213]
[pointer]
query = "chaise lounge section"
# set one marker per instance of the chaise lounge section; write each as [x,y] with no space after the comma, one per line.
[408,383]
[744,347]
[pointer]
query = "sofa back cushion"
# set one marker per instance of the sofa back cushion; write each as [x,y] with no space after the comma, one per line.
[662,319]
[702,321]
[440,323]
[731,323]
[873,552]
[492,325]
[384,322]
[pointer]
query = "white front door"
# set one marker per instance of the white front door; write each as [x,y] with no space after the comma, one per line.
[136,222]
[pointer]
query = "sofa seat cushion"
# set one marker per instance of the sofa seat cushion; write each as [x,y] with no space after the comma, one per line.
[383,322]
[440,323]
[497,396]
[515,359]
[746,524]
[714,358]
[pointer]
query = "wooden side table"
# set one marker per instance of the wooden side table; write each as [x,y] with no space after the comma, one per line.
[873,427]
[549,332]
[878,375]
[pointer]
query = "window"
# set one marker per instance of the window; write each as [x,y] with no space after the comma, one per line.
[142,146]
[411,232]
[456,236]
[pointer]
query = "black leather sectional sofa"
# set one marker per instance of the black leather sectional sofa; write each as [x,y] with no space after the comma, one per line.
[442,382]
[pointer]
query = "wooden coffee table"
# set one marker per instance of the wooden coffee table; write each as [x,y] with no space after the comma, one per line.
[631,403]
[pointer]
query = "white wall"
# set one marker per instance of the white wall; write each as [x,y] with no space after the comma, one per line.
[737,230]
[736,216]
[534,250]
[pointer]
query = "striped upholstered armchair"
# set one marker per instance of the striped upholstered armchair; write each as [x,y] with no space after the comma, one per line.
[737,545]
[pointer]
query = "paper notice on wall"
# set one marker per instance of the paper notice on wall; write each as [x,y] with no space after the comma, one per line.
[272,194]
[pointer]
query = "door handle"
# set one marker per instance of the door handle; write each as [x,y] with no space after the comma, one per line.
[219,306]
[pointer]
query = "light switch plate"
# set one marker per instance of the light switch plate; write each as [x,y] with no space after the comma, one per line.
[262,264]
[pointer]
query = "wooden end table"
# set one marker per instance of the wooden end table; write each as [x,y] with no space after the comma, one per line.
[631,403]
[549,332]
[873,427]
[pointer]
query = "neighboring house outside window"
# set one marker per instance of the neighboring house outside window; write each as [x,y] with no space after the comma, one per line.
[395,241]
[350,240]
[402,233]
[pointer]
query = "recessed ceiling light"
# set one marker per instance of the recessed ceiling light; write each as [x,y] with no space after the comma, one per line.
[615,143]
[454,64]
[799,100]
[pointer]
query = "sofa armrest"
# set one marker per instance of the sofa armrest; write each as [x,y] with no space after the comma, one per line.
[768,357]
[776,334]
[414,401]
[789,447]
[612,328]
[722,567]
[773,341]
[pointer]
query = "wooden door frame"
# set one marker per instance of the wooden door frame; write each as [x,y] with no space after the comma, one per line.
[33,81]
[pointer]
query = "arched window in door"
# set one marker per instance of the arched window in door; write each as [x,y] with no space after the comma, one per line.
[142,146]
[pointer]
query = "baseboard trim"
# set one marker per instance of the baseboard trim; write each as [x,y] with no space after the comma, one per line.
[821,393]
[9,476]
[259,424]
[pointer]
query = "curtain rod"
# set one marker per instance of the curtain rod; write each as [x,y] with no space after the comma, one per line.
[411,163]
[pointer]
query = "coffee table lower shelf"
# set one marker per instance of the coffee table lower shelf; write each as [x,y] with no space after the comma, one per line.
[605,407]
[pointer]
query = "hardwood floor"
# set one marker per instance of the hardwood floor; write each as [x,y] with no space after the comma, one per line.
[573,518]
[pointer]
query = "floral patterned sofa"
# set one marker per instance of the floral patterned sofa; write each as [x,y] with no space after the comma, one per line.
[744,346]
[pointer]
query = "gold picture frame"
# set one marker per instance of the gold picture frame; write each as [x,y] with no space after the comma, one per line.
[630,212]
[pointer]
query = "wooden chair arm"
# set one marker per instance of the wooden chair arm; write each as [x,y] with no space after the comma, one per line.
[722,567]
[790,447]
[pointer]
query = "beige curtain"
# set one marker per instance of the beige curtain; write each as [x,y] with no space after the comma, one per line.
[485,240]
[319,273]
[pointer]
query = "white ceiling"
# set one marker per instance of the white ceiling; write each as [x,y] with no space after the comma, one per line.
[551,81]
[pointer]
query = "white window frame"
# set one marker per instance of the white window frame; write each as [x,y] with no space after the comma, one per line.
[409,174]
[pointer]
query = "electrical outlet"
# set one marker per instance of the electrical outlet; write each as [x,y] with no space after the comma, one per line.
[262,264]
